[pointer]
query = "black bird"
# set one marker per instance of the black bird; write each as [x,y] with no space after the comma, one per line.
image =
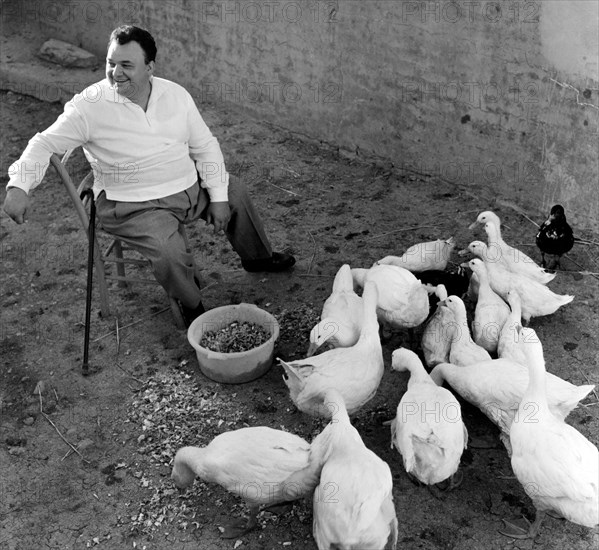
[555,236]
[455,282]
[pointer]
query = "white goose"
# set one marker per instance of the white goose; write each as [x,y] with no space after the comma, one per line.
[463,351]
[428,430]
[341,318]
[537,299]
[490,312]
[257,464]
[432,255]
[511,258]
[402,298]
[437,334]
[557,466]
[496,387]
[508,346]
[353,503]
[355,372]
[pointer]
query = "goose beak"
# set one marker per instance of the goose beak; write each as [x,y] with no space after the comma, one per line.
[473,225]
[463,252]
[465,264]
[311,349]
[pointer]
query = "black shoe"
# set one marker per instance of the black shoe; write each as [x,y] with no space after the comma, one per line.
[277,262]
[191,314]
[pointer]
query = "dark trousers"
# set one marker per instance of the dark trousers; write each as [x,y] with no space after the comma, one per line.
[152,228]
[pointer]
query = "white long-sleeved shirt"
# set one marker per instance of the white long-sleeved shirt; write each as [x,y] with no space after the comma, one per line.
[136,155]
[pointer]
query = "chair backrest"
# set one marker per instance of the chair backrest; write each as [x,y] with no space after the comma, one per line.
[73,191]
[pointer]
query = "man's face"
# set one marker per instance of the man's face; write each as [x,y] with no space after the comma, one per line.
[127,70]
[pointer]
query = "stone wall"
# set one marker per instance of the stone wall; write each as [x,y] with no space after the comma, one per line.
[502,93]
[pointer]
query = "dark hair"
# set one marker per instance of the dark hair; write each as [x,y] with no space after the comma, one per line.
[130,33]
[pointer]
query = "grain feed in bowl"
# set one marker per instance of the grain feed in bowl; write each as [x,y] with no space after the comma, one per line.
[238,330]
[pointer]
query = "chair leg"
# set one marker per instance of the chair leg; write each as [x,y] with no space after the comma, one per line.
[198,273]
[120,266]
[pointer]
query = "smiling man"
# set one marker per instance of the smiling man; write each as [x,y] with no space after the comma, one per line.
[156,164]
[130,72]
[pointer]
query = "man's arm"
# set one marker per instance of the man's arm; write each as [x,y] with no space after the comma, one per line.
[16,204]
[69,131]
[205,151]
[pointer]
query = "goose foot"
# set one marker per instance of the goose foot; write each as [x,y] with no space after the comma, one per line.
[432,489]
[452,482]
[516,531]
[456,480]
[239,527]
[440,490]
[414,480]
[522,534]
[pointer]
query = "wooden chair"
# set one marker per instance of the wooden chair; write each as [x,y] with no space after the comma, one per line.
[114,252]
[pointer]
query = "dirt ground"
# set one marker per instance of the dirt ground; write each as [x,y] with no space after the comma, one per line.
[148,398]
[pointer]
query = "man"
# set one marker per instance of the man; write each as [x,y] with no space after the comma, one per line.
[147,143]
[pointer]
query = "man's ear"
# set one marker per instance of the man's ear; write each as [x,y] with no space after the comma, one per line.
[150,67]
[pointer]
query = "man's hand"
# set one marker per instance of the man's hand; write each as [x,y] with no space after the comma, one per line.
[218,215]
[16,204]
